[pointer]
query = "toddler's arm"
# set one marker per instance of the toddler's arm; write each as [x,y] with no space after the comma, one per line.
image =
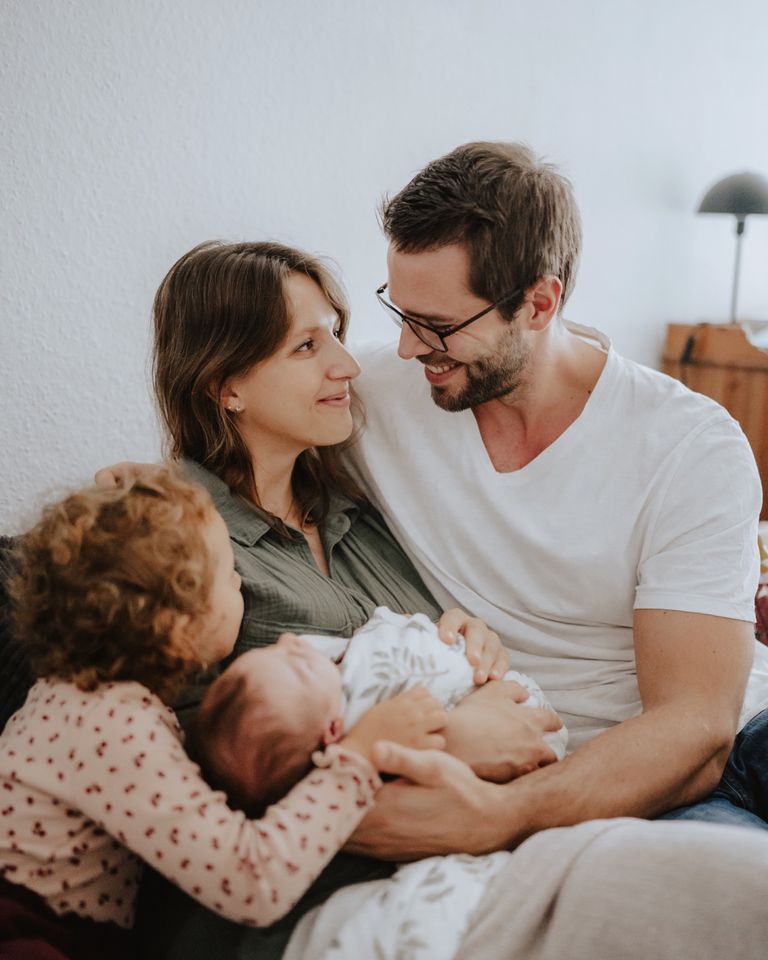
[146,792]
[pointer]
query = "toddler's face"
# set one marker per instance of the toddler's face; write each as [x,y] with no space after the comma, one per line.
[222,623]
[303,684]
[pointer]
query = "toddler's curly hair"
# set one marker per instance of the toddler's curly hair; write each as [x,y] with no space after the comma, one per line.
[113,582]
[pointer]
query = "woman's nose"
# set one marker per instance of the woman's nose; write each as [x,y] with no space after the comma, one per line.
[344,366]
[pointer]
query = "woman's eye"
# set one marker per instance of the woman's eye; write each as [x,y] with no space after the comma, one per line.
[304,347]
[337,333]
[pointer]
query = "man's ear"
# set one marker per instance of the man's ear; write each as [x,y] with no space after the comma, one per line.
[334,731]
[544,297]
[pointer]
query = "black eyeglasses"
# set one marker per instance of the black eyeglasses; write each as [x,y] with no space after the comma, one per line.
[435,337]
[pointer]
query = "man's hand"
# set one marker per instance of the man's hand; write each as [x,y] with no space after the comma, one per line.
[482,646]
[496,736]
[440,807]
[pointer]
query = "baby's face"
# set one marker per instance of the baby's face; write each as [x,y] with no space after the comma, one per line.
[301,683]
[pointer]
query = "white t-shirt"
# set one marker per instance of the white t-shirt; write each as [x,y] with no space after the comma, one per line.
[650,499]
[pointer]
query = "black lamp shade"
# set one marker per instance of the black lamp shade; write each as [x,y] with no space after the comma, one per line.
[740,194]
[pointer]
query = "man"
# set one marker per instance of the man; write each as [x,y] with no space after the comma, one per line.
[545,497]
[596,514]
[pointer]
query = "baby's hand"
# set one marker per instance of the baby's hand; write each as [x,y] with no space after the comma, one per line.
[413,719]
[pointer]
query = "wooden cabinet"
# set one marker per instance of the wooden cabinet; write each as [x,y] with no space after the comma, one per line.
[719,361]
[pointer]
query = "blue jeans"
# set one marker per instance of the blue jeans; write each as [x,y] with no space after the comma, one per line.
[741,797]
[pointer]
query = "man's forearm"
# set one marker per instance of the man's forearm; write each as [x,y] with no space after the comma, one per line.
[662,759]
[659,760]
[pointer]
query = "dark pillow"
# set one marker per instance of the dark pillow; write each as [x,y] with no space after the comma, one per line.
[15,675]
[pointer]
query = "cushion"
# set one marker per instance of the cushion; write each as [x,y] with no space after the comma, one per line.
[15,674]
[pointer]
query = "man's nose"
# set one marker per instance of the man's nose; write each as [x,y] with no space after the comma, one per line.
[409,345]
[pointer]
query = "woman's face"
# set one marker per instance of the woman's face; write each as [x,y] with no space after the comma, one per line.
[299,397]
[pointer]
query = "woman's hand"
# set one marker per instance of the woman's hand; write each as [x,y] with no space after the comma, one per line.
[498,737]
[483,647]
[413,719]
[120,473]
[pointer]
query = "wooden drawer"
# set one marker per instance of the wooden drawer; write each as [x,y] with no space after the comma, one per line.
[719,361]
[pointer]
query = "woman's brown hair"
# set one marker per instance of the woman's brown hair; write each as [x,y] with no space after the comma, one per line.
[219,311]
[113,584]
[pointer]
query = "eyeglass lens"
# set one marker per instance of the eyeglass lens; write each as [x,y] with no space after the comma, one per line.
[425,334]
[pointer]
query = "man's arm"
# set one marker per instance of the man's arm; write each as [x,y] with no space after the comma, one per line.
[692,671]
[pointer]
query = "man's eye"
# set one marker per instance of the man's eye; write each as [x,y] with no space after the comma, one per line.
[432,325]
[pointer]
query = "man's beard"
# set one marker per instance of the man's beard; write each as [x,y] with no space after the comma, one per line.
[494,375]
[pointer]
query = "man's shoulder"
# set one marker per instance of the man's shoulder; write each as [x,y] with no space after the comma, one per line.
[654,396]
[665,423]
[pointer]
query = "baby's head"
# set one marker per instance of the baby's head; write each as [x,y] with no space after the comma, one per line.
[131,582]
[260,721]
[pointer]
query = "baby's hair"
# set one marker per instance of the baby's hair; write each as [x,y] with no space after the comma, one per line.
[113,581]
[245,744]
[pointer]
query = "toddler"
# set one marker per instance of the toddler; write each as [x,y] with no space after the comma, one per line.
[124,593]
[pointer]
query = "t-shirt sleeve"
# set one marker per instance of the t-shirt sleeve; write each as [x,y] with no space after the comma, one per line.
[700,554]
[137,782]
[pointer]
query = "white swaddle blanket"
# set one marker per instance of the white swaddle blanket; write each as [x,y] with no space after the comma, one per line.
[424,910]
[392,653]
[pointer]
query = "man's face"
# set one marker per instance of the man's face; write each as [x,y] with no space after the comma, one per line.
[485,360]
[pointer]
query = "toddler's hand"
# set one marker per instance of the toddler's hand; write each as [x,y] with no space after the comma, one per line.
[413,719]
[123,472]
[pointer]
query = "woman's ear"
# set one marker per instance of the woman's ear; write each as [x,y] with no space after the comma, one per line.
[226,395]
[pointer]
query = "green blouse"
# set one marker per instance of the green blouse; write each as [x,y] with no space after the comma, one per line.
[283,587]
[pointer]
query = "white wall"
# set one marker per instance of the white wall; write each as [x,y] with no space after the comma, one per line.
[133,129]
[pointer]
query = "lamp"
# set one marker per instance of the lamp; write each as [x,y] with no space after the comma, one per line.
[740,194]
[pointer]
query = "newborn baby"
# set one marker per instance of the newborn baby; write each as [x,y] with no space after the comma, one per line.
[262,719]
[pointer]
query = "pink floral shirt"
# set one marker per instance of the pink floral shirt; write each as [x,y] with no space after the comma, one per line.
[91,784]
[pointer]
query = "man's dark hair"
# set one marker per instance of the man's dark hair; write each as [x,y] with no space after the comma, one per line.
[516,216]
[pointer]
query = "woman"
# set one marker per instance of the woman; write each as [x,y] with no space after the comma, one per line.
[252,380]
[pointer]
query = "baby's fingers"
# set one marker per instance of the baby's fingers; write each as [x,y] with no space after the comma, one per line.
[426,712]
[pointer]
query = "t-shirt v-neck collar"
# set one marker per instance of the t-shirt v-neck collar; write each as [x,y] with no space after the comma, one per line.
[564,445]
